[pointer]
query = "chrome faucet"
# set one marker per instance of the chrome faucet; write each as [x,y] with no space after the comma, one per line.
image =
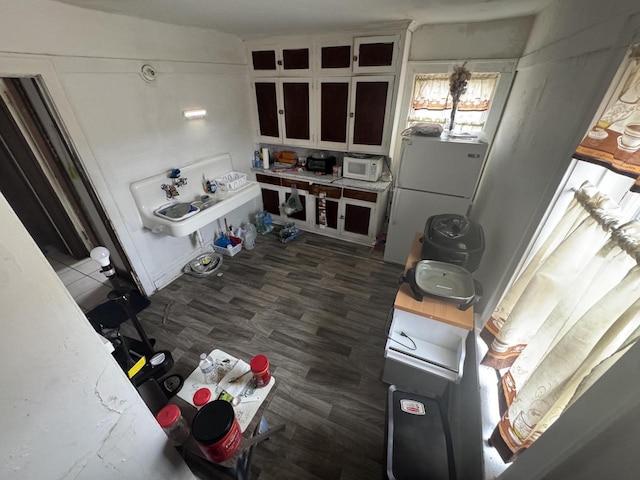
[172,190]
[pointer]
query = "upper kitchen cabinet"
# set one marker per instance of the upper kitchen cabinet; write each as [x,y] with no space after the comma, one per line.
[334,93]
[335,58]
[284,110]
[297,122]
[376,54]
[281,60]
[370,114]
[266,95]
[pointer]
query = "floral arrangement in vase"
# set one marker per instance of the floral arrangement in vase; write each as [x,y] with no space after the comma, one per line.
[457,87]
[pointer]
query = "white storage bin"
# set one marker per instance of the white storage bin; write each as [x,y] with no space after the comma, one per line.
[228,250]
[231,181]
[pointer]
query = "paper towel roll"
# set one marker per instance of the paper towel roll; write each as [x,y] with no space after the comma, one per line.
[265,158]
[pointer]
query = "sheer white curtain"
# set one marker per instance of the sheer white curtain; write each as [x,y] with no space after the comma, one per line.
[577,305]
[431,101]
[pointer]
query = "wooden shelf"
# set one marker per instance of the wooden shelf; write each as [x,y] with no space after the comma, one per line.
[446,312]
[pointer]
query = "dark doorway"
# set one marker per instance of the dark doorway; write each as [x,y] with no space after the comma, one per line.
[48,187]
[30,194]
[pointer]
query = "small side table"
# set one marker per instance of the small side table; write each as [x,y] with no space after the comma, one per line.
[257,430]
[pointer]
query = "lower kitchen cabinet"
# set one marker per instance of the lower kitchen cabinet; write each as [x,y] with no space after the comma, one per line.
[357,219]
[363,214]
[275,194]
[348,213]
[302,214]
[271,200]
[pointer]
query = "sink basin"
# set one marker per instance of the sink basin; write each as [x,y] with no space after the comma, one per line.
[177,211]
[187,213]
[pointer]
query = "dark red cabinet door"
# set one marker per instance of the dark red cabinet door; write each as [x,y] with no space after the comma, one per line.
[266,99]
[264,60]
[331,209]
[295,59]
[357,219]
[334,107]
[369,116]
[271,201]
[302,214]
[376,54]
[296,110]
[335,57]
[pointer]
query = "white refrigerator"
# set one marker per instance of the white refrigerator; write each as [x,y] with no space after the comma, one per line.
[435,176]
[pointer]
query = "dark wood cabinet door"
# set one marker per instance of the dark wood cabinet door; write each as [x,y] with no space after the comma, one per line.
[267,103]
[334,57]
[296,95]
[295,59]
[264,60]
[357,219]
[376,54]
[302,214]
[331,212]
[271,201]
[334,110]
[370,111]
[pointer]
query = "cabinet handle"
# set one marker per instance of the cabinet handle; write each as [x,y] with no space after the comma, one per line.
[280,111]
[351,115]
[355,58]
[279,62]
[341,217]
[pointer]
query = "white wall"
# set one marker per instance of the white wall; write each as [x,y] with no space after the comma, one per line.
[557,90]
[573,53]
[124,128]
[479,40]
[68,410]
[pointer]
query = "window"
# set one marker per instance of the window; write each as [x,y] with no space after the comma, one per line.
[431,101]
[429,81]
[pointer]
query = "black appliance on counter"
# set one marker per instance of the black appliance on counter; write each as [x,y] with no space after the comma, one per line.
[321,162]
[452,247]
[455,239]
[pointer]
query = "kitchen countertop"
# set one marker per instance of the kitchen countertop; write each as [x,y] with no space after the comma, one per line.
[311,177]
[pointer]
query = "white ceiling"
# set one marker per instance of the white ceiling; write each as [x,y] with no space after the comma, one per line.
[259,18]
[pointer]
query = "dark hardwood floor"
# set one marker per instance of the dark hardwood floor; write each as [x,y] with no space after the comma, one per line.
[317,307]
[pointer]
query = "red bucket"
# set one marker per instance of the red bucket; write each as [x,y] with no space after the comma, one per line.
[217,431]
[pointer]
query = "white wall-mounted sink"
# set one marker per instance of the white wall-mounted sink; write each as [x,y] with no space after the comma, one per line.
[151,200]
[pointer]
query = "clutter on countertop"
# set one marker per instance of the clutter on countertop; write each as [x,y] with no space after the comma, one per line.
[287,157]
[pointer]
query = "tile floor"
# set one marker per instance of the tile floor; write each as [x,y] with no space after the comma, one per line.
[82,278]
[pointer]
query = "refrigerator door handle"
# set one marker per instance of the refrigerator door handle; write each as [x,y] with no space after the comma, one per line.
[405,142]
[394,207]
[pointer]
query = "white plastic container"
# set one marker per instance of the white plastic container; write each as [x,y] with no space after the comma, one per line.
[231,182]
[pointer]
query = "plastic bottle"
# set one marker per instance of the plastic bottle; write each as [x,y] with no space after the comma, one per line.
[208,368]
[249,235]
[174,424]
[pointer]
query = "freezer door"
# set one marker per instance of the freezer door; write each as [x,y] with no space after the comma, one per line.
[409,212]
[447,167]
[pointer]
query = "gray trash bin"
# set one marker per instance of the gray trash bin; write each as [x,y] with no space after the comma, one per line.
[418,438]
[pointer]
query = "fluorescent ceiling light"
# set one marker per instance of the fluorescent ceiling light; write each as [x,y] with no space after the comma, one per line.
[197,113]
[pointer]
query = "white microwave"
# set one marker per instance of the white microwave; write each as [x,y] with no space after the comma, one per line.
[368,168]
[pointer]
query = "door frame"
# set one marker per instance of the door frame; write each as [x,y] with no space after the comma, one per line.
[16,65]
